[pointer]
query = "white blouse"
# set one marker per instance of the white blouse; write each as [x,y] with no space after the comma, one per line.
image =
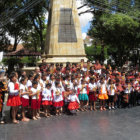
[92,86]
[47,95]
[111,91]
[24,89]
[34,91]
[57,98]
[84,90]
[29,83]
[11,88]
[73,98]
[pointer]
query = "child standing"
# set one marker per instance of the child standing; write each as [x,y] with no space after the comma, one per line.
[102,94]
[47,99]
[57,98]
[39,97]
[35,97]
[74,102]
[111,93]
[92,94]
[24,92]
[14,97]
[119,92]
[83,96]
[127,92]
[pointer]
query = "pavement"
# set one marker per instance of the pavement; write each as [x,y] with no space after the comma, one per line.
[120,124]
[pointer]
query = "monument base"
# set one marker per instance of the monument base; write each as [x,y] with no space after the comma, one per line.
[65,59]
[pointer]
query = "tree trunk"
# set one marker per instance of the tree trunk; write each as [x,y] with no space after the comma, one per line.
[41,43]
[15,44]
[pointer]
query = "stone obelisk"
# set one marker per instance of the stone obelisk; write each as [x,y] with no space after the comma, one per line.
[64,41]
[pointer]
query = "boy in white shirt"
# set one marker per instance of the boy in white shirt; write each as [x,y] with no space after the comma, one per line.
[111,93]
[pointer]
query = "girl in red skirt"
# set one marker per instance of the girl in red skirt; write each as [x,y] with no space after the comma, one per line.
[74,102]
[39,88]
[92,94]
[24,92]
[34,101]
[57,98]
[14,97]
[47,99]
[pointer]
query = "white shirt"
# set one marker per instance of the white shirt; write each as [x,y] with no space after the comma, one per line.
[52,82]
[128,89]
[111,91]
[57,98]
[47,95]
[71,85]
[82,91]
[29,83]
[34,91]
[73,98]
[43,83]
[103,89]
[98,71]
[67,82]
[92,86]
[39,87]
[87,79]
[78,81]
[24,89]
[11,88]
[48,78]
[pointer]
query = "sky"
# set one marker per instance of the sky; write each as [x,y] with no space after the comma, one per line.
[84,20]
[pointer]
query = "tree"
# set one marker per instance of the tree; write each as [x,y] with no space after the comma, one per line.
[4,41]
[19,25]
[37,18]
[117,31]
[18,29]
[116,25]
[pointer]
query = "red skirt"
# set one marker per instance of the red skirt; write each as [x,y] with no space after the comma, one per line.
[25,102]
[35,104]
[73,106]
[58,104]
[40,97]
[39,100]
[46,102]
[14,100]
[92,97]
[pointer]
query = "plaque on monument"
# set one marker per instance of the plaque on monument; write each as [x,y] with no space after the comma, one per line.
[67,31]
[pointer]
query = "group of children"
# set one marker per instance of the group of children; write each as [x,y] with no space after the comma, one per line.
[55,89]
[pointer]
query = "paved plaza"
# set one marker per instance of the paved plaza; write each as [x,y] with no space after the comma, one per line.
[121,124]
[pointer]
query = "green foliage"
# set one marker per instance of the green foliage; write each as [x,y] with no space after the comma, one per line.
[29,61]
[118,31]
[11,61]
[94,53]
[29,27]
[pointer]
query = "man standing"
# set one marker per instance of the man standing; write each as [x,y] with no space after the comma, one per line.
[3,90]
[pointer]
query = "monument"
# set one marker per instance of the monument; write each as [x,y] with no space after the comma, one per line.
[64,41]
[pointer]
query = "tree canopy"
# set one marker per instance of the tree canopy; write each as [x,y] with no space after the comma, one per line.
[118,28]
[23,20]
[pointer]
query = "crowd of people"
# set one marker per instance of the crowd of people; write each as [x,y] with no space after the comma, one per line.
[53,89]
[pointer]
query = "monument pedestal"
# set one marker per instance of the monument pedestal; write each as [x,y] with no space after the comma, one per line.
[65,59]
